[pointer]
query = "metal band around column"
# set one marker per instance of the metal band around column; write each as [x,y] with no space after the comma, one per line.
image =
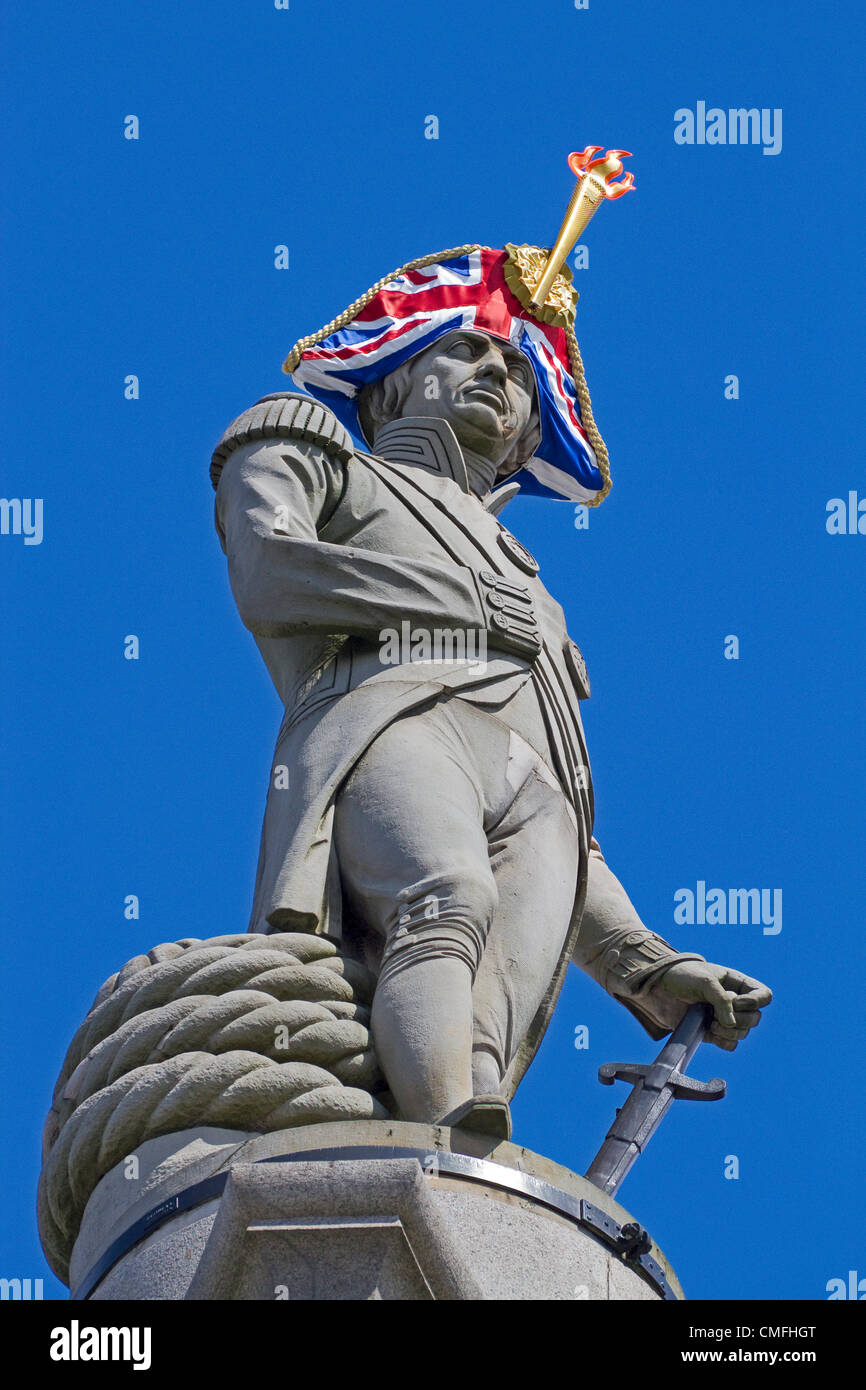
[629,1242]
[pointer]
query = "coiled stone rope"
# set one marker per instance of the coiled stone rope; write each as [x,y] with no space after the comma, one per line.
[257,1033]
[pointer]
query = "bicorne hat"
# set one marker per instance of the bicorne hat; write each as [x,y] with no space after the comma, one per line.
[490,291]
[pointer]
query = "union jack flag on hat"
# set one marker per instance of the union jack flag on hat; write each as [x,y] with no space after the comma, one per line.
[488,290]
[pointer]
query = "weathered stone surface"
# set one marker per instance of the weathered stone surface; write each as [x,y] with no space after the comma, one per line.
[260,1033]
[153,1173]
[163,1264]
[388,1227]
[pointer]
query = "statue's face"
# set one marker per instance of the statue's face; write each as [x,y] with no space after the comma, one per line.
[482,386]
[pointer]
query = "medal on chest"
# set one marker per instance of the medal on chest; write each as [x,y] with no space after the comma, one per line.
[523,558]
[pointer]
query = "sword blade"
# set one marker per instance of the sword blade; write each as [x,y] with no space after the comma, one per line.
[651,1098]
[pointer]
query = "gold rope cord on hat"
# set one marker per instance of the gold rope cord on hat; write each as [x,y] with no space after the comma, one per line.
[587,417]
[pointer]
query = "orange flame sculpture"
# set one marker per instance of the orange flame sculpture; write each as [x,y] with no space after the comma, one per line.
[594,184]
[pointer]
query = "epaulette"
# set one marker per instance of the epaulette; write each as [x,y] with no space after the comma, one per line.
[284,416]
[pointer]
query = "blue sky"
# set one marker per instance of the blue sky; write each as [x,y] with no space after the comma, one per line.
[155,257]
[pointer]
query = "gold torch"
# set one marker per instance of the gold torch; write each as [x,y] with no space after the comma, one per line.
[594,184]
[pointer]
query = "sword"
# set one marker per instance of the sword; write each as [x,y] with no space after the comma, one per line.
[654,1090]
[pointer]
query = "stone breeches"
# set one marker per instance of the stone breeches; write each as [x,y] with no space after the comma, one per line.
[455,839]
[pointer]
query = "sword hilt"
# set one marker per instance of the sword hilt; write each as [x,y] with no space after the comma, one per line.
[681,1087]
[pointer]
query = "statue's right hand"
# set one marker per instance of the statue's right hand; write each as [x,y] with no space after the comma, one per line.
[511,622]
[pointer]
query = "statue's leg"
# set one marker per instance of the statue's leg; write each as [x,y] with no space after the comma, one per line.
[534,854]
[413,853]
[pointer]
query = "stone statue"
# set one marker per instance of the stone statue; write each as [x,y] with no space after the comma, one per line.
[430,804]
[319,1107]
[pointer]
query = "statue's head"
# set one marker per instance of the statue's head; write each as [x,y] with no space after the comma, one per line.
[457,336]
[481,385]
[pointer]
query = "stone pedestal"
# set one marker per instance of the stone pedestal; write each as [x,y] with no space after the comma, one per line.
[359,1210]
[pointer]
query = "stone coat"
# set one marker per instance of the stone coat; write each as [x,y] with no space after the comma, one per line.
[328,547]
